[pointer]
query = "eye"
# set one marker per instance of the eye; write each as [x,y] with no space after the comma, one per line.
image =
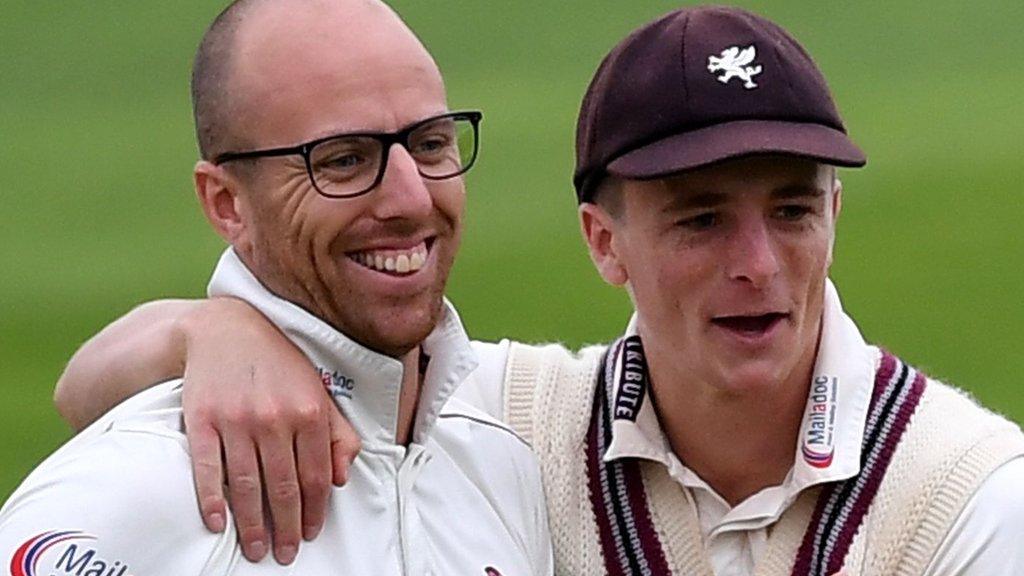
[431,145]
[793,212]
[344,162]
[703,221]
[342,166]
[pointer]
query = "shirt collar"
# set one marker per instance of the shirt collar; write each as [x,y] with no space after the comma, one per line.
[363,383]
[828,448]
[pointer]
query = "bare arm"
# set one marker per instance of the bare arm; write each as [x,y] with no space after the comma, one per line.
[252,403]
[142,348]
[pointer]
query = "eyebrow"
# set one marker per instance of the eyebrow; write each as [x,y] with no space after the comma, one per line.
[708,199]
[356,130]
[797,191]
[696,200]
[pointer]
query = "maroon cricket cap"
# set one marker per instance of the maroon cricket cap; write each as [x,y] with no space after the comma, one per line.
[699,86]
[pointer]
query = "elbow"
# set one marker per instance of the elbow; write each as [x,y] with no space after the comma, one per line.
[64,400]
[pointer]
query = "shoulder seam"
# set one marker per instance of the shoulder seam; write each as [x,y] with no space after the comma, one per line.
[489,424]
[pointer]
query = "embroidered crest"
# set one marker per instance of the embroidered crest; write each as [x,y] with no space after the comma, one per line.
[736,63]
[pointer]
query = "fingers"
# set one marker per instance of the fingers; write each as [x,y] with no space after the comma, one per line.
[282,445]
[345,446]
[244,491]
[313,456]
[282,489]
[209,475]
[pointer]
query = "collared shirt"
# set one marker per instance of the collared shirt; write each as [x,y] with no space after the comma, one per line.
[984,541]
[464,497]
[833,426]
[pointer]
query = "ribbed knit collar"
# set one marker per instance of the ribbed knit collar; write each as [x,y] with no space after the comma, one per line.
[829,445]
[364,383]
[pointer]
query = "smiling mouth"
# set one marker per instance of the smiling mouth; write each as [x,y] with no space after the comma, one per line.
[754,325]
[394,262]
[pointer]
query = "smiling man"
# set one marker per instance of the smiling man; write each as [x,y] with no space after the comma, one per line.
[332,166]
[741,424]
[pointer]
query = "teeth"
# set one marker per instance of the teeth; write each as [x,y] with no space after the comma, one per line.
[398,262]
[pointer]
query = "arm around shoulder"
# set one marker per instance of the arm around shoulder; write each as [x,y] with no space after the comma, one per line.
[142,348]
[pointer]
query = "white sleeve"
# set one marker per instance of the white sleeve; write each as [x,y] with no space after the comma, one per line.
[121,503]
[544,559]
[485,388]
[987,538]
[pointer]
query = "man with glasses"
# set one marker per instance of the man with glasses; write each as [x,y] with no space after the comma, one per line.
[344,241]
[350,165]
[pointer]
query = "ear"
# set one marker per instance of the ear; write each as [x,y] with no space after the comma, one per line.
[837,200]
[601,233]
[837,207]
[218,194]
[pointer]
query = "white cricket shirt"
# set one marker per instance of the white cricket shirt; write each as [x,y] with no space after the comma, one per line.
[463,498]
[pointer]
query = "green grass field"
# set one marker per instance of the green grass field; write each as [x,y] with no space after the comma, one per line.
[98,215]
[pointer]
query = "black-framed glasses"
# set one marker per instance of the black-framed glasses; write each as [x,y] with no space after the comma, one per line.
[349,165]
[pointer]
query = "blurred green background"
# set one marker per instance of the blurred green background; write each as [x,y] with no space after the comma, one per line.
[97,213]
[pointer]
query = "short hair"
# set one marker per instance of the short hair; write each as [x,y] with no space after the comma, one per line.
[211,76]
[608,195]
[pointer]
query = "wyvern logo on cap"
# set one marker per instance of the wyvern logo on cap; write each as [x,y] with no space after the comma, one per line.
[733,63]
[647,117]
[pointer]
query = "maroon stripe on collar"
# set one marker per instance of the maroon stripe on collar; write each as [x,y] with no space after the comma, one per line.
[629,541]
[598,488]
[646,532]
[842,506]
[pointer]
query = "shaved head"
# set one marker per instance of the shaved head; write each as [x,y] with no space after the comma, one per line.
[280,73]
[211,72]
[227,64]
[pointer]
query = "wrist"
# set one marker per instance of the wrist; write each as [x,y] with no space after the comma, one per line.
[214,318]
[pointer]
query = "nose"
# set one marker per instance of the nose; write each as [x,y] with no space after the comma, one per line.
[403,191]
[753,254]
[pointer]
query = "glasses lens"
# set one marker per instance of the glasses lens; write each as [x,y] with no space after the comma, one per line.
[345,166]
[444,148]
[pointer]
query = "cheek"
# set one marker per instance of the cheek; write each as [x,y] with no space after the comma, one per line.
[449,198]
[807,264]
[297,226]
[664,277]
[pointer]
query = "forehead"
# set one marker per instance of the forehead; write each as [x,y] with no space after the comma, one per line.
[310,69]
[751,178]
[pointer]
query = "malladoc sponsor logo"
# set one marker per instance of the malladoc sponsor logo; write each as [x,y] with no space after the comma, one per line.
[336,383]
[819,437]
[62,553]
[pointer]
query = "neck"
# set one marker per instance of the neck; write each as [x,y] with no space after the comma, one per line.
[409,397]
[738,442]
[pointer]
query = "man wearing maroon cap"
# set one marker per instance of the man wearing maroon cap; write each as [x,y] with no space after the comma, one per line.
[741,425]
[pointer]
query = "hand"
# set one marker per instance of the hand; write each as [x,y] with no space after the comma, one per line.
[253,401]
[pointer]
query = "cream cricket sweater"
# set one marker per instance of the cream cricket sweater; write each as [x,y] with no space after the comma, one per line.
[887,520]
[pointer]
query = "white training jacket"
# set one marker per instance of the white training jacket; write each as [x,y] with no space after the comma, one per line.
[464,498]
